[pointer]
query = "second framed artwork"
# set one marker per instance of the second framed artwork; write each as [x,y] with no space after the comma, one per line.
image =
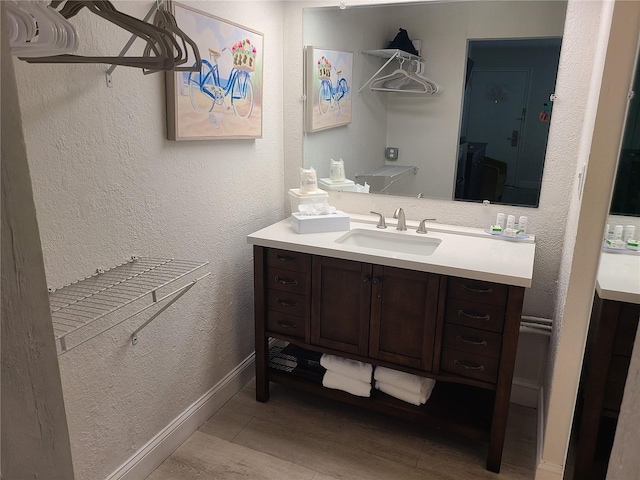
[223,99]
[329,77]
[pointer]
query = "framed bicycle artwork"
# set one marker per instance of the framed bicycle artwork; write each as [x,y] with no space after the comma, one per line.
[329,77]
[224,99]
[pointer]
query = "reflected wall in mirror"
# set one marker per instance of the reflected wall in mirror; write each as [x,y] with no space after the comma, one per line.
[425,129]
[626,192]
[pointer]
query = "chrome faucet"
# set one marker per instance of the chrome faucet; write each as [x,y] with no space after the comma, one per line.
[422,228]
[402,223]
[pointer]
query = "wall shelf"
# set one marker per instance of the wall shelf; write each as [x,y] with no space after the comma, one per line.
[84,309]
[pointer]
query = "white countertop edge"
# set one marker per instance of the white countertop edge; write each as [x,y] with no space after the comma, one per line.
[619,277]
[451,260]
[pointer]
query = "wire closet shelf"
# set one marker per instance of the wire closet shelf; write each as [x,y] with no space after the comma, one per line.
[79,310]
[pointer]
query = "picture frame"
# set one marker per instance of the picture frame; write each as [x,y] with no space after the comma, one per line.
[224,99]
[329,80]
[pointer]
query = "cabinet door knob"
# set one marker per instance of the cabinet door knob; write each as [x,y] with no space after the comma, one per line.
[286,281]
[365,279]
[285,258]
[376,280]
[285,324]
[469,367]
[462,339]
[286,303]
[486,318]
[478,290]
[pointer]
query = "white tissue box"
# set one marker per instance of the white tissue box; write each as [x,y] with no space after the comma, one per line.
[331,222]
[343,186]
[299,198]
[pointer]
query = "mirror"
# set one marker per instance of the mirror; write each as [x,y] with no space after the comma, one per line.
[428,131]
[626,191]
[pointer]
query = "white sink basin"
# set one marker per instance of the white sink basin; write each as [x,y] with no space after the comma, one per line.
[390,241]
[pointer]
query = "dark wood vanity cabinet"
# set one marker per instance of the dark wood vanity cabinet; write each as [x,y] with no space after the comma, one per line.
[612,334]
[461,332]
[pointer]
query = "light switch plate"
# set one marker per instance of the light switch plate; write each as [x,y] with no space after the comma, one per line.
[391,153]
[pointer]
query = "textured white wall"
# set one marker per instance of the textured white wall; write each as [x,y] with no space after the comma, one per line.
[107,184]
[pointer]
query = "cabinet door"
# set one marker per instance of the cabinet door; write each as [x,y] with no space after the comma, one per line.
[340,306]
[403,316]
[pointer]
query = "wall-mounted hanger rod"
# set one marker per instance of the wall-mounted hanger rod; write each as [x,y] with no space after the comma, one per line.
[127,46]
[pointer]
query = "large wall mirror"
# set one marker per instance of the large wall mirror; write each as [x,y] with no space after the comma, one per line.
[483,137]
[626,192]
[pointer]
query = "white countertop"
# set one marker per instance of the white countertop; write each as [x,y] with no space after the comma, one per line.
[619,277]
[463,252]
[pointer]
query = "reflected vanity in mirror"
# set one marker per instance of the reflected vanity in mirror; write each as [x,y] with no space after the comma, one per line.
[614,318]
[492,61]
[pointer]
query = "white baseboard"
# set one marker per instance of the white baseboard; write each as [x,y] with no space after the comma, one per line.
[545,471]
[160,447]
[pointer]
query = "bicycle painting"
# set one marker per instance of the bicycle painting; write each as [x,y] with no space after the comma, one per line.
[224,98]
[329,79]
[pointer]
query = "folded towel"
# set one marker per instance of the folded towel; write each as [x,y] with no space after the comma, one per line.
[406,381]
[404,395]
[337,381]
[347,367]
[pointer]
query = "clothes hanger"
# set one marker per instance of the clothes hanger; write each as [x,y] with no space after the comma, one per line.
[158,41]
[407,82]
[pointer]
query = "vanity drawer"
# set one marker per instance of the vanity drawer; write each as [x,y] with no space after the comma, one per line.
[286,260]
[287,280]
[472,340]
[288,303]
[289,325]
[478,291]
[474,315]
[469,365]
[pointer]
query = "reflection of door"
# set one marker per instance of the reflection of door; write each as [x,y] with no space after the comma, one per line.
[497,108]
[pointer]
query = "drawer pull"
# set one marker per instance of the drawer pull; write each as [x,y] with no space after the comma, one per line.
[284,258]
[286,303]
[478,290]
[482,343]
[286,281]
[285,324]
[486,318]
[469,367]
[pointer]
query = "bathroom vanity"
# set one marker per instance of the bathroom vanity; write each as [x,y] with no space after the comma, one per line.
[452,315]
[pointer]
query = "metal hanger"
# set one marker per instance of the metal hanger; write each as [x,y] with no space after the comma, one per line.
[404,81]
[160,42]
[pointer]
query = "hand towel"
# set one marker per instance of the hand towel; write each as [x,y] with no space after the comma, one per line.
[337,381]
[406,381]
[347,367]
[404,395]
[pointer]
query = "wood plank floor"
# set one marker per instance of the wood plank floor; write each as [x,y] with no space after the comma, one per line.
[301,437]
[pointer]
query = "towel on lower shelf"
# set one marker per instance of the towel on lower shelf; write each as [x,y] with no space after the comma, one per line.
[405,395]
[338,381]
[347,367]
[403,380]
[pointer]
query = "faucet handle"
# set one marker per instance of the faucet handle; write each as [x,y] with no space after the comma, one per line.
[422,228]
[397,213]
[381,222]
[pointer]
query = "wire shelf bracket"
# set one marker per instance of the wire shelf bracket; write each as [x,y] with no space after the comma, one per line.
[79,310]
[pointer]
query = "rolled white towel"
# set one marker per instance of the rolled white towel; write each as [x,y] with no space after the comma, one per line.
[338,381]
[404,380]
[404,395]
[347,367]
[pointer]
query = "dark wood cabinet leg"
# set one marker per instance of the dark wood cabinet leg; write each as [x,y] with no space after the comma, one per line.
[262,341]
[262,378]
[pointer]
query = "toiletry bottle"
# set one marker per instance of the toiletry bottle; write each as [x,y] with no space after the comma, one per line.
[511,221]
[629,233]
[617,232]
[500,221]
[522,224]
